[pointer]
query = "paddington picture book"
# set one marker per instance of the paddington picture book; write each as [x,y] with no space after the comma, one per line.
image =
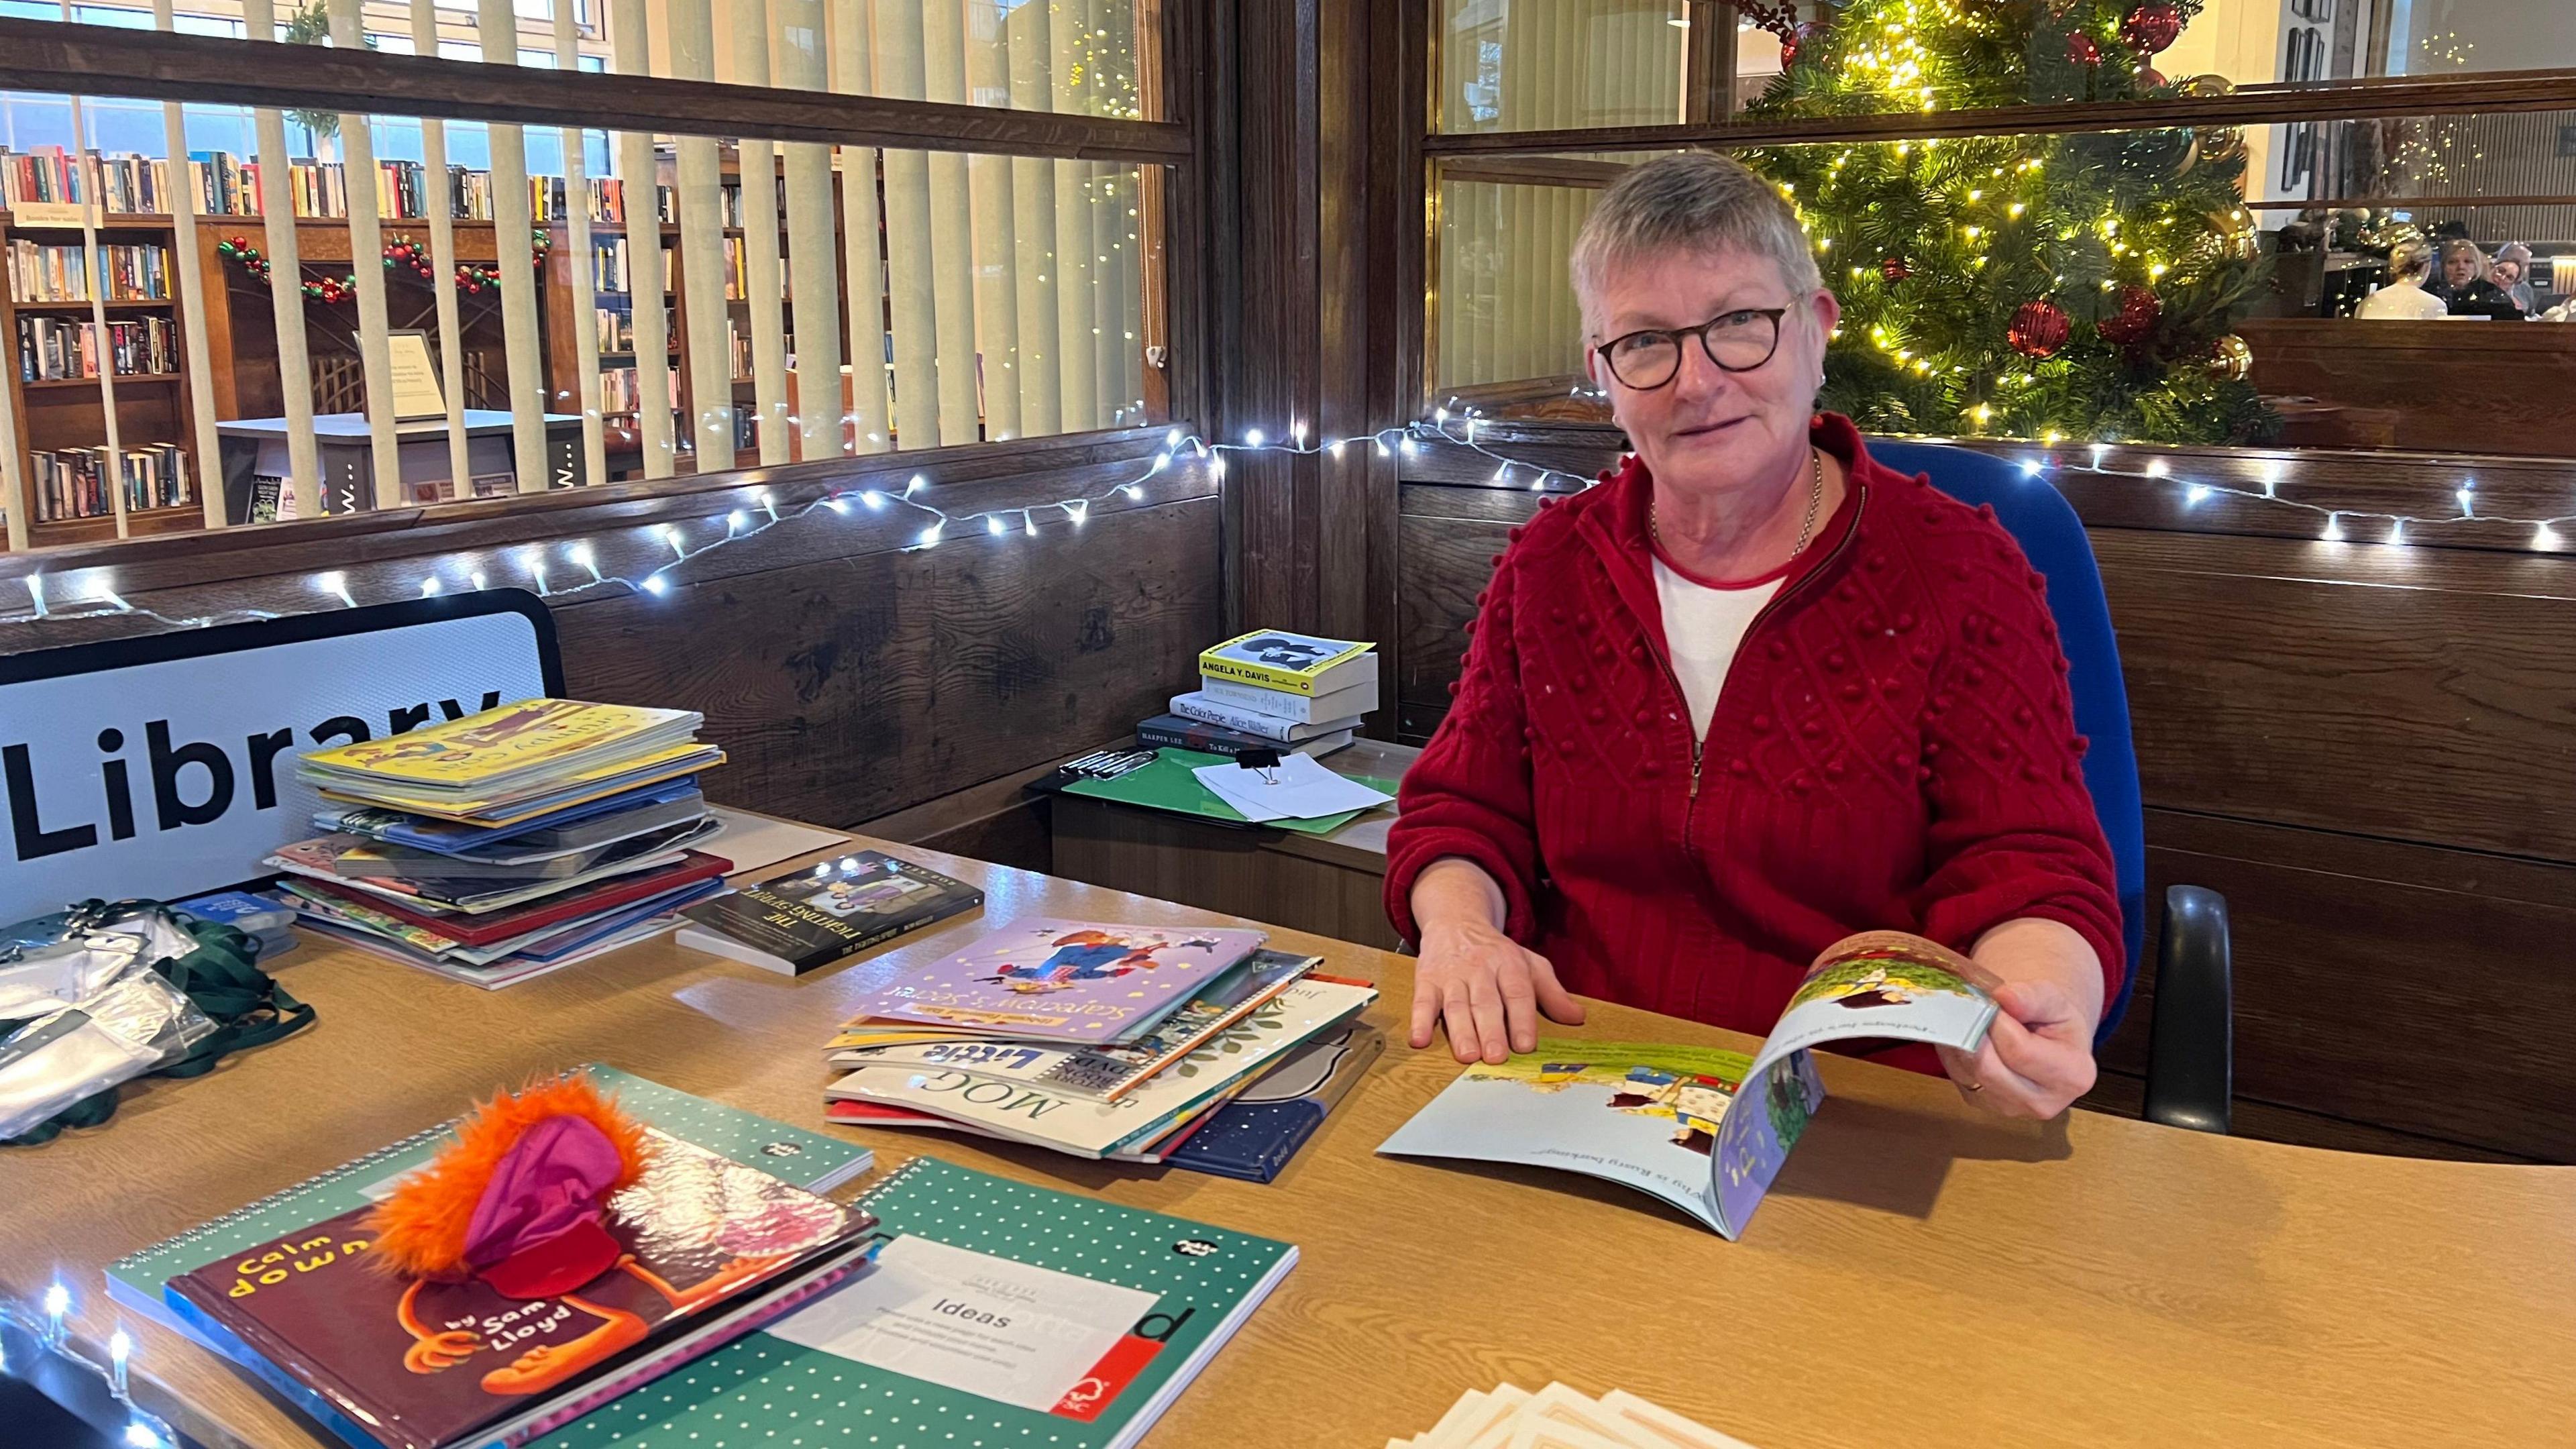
[1703,1128]
[1277,659]
[815,915]
[1068,981]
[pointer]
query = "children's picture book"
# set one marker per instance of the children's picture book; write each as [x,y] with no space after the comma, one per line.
[1105,1073]
[1087,1127]
[812,916]
[422,1361]
[532,797]
[1676,1121]
[575,827]
[1074,981]
[1253,1136]
[1291,663]
[491,749]
[493,927]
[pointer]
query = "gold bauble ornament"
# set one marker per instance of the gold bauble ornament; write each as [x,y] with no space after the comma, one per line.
[2232,360]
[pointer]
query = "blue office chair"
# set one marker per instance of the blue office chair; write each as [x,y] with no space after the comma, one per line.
[2190,1051]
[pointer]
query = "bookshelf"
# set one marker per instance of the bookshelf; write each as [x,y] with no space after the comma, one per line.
[71,412]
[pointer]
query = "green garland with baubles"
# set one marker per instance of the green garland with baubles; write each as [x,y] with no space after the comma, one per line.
[401,254]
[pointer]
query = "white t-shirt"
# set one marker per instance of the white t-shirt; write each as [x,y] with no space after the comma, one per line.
[1702,628]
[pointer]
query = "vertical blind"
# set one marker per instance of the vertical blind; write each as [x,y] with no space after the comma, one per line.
[826,300]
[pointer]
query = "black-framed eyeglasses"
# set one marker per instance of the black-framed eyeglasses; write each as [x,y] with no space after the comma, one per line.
[1737,341]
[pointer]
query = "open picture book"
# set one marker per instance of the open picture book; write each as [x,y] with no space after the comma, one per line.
[1703,1128]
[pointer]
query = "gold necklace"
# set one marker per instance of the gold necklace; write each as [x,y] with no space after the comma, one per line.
[1806,530]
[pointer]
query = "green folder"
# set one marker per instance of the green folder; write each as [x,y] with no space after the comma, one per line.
[1167,784]
[764,1392]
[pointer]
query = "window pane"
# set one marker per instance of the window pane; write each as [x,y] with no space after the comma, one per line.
[1535,65]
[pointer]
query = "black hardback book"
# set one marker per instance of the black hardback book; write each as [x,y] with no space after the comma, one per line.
[815,915]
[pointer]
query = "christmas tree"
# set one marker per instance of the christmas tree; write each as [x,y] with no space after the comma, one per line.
[2053,287]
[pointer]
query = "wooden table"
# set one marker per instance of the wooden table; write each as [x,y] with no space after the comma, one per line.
[1332,885]
[1922,1275]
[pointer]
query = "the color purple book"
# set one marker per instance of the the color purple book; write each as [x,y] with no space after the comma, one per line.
[1077,981]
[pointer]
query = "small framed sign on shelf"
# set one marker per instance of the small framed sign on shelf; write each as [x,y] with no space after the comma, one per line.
[415,378]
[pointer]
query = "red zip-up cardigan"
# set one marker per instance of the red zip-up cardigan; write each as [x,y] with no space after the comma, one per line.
[1893,748]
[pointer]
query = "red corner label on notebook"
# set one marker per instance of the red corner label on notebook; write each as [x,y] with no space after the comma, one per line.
[1116,1370]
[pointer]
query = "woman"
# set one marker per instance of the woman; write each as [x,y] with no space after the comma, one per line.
[2511,272]
[2405,299]
[2464,285]
[1753,695]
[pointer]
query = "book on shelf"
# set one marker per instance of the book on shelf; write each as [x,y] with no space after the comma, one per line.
[808,918]
[128,183]
[122,272]
[621,389]
[608,270]
[60,349]
[1703,1128]
[70,483]
[1125,1309]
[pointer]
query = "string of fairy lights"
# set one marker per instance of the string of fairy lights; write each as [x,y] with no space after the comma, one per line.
[50,1332]
[571,569]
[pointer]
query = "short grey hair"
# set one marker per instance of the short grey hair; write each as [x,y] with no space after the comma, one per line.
[2460,246]
[1696,202]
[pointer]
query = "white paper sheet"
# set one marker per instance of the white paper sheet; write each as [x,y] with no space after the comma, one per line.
[755,842]
[971,1322]
[1298,789]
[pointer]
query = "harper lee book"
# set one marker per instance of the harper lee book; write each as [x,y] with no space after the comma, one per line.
[425,1362]
[1057,980]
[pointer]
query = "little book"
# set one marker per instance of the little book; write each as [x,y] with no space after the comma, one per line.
[498,748]
[1703,1128]
[813,916]
[1275,659]
[1067,981]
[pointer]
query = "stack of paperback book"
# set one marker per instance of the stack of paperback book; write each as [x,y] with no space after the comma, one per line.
[1271,689]
[1100,1040]
[510,843]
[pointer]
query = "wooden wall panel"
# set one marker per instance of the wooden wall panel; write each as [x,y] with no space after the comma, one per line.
[852,675]
[2370,751]
[2284,682]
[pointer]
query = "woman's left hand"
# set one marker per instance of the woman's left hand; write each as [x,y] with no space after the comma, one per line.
[2037,1058]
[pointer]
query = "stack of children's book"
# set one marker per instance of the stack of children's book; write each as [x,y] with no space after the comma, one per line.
[509,843]
[1271,690]
[1095,1039]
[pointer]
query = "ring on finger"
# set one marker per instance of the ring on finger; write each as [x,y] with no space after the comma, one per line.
[1976,1086]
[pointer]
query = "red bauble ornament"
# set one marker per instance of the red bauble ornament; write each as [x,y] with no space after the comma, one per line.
[2150,78]
[1807,31]
[2038,329]
[1894,269]
[2081,50]
[2135,321]
[2152,26]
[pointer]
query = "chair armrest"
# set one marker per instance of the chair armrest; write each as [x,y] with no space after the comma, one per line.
[2191,1052]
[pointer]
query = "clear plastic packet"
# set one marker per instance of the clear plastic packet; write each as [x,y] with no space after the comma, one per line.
[101,1014]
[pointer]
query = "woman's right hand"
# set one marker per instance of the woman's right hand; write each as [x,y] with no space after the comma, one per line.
[1487,990]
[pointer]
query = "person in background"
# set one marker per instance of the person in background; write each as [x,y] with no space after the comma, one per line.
[2405,298]
[2512,271]
[1755,693]
[2464,285]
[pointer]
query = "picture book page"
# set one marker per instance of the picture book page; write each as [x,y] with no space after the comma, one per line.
[1877,984]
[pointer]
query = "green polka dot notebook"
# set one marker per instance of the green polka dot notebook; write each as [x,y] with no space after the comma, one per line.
[804,1159]
[763,1392]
